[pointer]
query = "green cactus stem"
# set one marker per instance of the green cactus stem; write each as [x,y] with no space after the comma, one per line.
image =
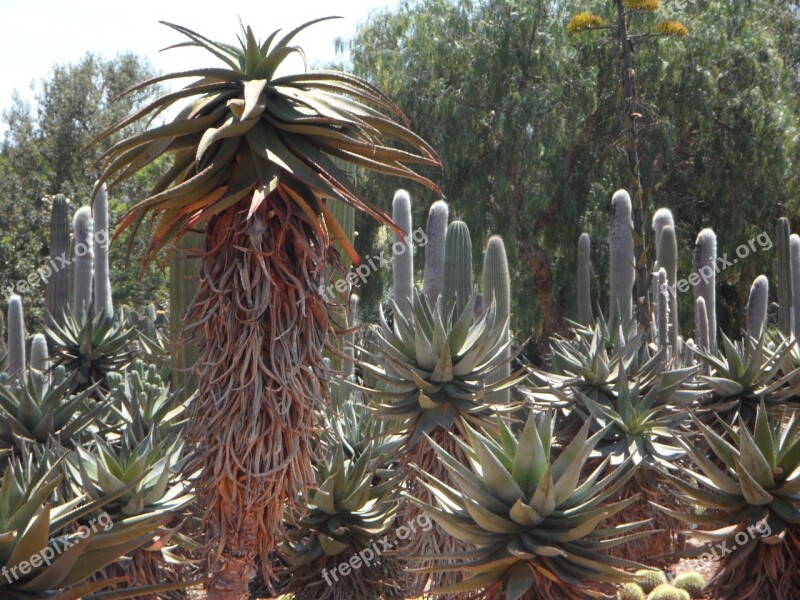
[57,288]
[705,265]
[497,290]
[436,232]
[668,260]
[783,283]
[103,303]
[40,358]
[757,307]
[402,254]
[84,263]
[458,268]
[622,273]
[585,280]
[794,251]
[15,362]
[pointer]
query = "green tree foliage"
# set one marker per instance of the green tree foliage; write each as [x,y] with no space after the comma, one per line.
[526,120]
[43,154]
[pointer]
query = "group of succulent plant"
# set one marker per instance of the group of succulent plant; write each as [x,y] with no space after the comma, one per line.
[89,434]
[562,482]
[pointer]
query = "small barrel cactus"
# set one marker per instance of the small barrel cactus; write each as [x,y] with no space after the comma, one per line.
[585,280]
[692,583]
[402,254]
[436,232]
[630,591]
[668,592]
[757,307]
[649,579]
[622,273]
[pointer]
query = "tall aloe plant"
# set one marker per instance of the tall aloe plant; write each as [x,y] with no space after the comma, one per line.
[252,168]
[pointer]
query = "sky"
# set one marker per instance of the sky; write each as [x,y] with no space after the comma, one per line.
[35,35]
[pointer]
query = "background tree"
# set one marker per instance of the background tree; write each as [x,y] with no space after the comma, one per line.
[528,126]
[43,154]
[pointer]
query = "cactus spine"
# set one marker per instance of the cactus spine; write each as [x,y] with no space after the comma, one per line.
[183,284]
[103,303]
[402,254]
[757,307]
[497,290]
[584,280]
[436,232]
[794,252]
[622,273]
[40,359]
[668,260]
[84,262]
[15,362]
[784,277]
[458,268]
[57,288]
[705,265]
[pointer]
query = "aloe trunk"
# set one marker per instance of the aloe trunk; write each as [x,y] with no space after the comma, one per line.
[585,280]
[784,277]
[15,363]
[84,263]
[57,288]
[757,307]
[402,254]
[497,291]
[705,265]
[458,268]
[622,273]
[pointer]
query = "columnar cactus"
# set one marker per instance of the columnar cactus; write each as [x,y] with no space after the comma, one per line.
[15,362]
[402,254]
[183,284]
[701,324]
[661,219]
[458,267]
[84,262]
[757,307]
[784,279]
[663,312]
[349,338]
[497,289]
[794,252]
[622,273]
[40,359]
[57,288]
[345,214]
[436,232]
[102,277]
[705,265]
[668,260]
[584,280]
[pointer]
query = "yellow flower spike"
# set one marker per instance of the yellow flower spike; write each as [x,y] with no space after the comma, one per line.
[584,20]
[650,5]
[670,27]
